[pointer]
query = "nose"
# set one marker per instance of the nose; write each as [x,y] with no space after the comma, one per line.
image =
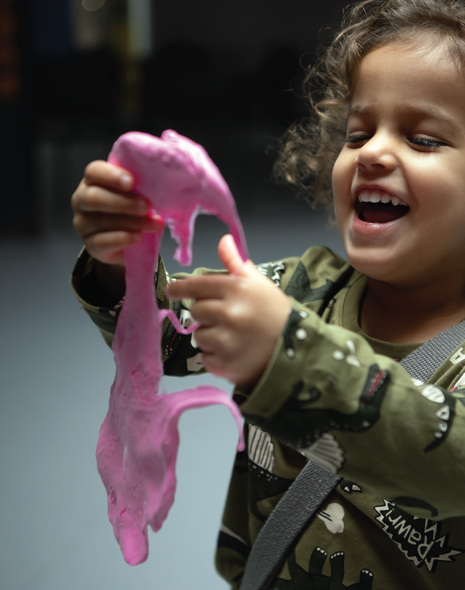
[377,153]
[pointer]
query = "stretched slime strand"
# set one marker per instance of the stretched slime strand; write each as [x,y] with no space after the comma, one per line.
[138,440]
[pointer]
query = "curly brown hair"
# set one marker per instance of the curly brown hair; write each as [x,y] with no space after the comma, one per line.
[310,147]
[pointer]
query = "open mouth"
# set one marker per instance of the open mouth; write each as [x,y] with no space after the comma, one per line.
[372,207]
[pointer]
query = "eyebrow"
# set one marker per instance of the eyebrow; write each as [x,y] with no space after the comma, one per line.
[412,111]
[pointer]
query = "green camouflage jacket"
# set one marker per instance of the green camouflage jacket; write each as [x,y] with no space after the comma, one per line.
[396,520]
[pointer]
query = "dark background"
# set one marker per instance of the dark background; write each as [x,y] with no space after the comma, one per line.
[70,83]
[226,73]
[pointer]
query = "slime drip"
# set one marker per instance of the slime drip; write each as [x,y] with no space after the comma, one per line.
[138,440]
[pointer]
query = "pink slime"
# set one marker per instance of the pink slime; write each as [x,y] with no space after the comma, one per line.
[138,440]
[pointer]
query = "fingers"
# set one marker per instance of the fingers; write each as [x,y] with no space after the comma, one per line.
[229,255]
[219,357]
[232,260]
[106,188]
[241,316]
[105,174]
[198,288]
[108,247]
[93,198]
[107,215]
[90,223]
[215,286]
[105,236]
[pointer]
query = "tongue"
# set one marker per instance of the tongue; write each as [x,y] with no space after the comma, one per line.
[382,213]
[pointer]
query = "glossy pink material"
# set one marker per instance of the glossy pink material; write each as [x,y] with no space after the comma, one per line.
[138,441]
[178,177]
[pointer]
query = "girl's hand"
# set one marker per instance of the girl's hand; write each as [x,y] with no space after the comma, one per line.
[241,316]
[107,215]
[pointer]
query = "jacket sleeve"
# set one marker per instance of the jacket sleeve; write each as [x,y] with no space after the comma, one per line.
[180,353]
[327,394]
[361,414]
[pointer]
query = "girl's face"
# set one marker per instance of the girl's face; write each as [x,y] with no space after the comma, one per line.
[399,181]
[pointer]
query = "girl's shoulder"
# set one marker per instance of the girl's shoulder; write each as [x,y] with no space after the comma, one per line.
[316,266]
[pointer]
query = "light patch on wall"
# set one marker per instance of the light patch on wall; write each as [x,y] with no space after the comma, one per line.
[92,5]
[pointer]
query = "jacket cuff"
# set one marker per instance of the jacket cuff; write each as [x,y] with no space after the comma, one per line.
[289,358]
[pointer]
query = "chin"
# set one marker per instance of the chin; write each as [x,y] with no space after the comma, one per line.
[375,265]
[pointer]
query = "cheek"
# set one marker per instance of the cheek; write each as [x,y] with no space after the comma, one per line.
[341,181]
[342,175]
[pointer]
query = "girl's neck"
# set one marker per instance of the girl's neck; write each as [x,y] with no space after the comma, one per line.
[409,315]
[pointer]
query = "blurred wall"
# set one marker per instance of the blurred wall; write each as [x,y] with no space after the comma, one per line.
[71,81]
[225,73]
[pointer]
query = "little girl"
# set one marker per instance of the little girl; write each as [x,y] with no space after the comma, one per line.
[315,362]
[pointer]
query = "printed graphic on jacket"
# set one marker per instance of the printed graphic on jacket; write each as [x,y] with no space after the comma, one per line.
[309,423]
[420,540]
[265,483]
[314,577]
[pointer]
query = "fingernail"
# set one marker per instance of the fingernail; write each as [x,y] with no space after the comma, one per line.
[126,181]
[153,216]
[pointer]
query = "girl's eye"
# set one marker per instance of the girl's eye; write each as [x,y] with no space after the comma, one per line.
[429,144]
[357,140]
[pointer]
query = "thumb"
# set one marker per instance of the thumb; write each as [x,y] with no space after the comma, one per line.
[230,257]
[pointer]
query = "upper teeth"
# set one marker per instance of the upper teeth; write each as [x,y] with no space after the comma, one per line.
[378,197]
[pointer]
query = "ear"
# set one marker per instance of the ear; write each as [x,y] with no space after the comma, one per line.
[231,259]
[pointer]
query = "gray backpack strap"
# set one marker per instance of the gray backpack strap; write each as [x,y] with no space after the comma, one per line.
[314,483]
[284,524]
[423,362]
